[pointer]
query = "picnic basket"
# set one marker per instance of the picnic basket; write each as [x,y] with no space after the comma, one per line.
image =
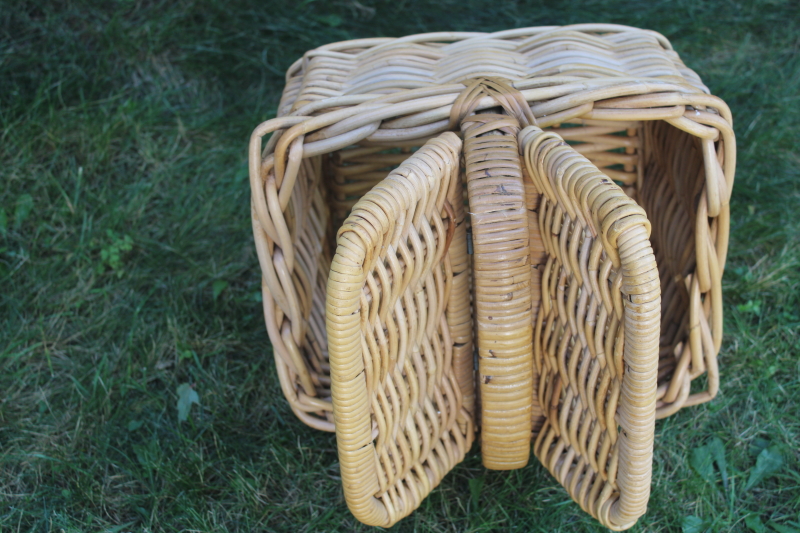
[352,112]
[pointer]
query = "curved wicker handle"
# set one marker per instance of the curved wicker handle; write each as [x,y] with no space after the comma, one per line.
[505,282]
[597,334]
[502,288]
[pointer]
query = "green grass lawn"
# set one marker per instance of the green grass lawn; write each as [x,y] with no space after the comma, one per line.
[127,268]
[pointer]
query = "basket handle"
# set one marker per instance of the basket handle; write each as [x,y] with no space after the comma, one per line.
[510,99]
[501,269]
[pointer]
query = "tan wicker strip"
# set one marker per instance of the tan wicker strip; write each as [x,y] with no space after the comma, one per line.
[597,335]
[690,235]
[538,260]
[394,314]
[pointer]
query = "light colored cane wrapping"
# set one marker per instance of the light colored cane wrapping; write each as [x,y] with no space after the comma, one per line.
[621,94]
[538,259]
[397,315]
[502,288]
[596,337]
[501,271]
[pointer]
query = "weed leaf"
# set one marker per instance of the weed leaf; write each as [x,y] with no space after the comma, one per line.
[475,487]
[702,463]
[704,457]
[186,397]
[113,254]
[692,524]
[769,461]
[752,306]
[718,454]
[757,446]
[754,523]
[218,287]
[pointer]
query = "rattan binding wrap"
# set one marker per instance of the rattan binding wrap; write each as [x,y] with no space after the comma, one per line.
[622,93]
[393,311]
[596,337]
[500,269]
[501,274]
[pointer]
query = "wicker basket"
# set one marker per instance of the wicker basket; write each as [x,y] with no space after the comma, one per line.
[353,111]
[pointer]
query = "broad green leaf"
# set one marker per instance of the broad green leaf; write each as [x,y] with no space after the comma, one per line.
[769,461]
[752,306]
[24,207]
[718,454]
[475,487]
[702,463]
[757,446]
[754,523]
[218,286]
[331,20]
[703,459]
[783,528]
[693,524]
[186,397]
[133,425]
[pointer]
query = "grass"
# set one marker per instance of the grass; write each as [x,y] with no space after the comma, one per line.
[127,268]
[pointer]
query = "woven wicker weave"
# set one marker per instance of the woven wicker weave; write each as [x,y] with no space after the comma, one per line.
[392,316]
[596,338]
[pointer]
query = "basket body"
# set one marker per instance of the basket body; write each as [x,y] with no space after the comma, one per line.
[353,111]
[623,94]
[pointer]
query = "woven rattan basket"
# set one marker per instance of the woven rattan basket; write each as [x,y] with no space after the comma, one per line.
[353,111]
